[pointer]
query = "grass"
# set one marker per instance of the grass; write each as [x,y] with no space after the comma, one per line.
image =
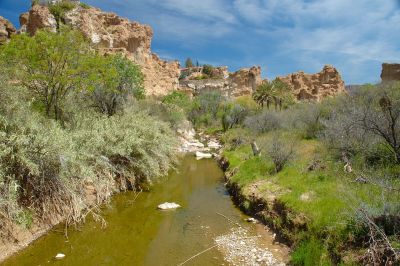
[324,196]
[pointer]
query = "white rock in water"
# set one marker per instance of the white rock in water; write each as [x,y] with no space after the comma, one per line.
[168,206]
[196,144]
[201,155]
[214,145]
[60,256]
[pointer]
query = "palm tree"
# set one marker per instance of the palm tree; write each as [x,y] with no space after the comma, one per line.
[274,91]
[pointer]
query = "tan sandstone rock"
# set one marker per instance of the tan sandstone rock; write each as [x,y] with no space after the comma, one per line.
[39,17]
[242,82]
[6,30]
[111,34]
[390,72]
[317,86]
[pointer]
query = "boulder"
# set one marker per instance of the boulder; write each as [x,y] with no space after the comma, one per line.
[39,18]
[390,72]
[315,87]
[6,30]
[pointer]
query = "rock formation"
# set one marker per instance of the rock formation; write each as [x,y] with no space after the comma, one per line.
[39,17]
[317,86]
[390,72]
[6,30]
[243,82]
[111,34]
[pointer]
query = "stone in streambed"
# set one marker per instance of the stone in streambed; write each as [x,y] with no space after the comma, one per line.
[60,256]
[168,206]
[201,155]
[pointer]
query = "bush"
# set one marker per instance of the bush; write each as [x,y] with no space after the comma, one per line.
[84,5]
[45,168]
[179,99]
[307,117]
[264,122]
[115,80]
[205,108]
[280,153]
[208,70]
[233,115]
[58,10]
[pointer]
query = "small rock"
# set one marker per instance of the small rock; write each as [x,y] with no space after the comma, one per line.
[201,155]
[60,256]
[168,206]
[251,220]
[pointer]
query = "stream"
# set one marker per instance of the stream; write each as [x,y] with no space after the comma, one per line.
[139,234]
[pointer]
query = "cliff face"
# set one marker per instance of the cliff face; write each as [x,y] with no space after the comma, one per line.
[390,72]
[6,30]
[110,34]
[317,86]
[243,82]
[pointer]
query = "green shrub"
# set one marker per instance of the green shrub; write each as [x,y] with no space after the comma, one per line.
[84,5]
[179,99]
[208,70]
[58,10]
[44,167]
[205,108]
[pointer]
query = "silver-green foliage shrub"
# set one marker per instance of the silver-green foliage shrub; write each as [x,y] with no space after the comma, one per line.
[45,168]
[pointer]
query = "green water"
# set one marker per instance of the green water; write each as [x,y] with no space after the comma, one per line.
[139,234]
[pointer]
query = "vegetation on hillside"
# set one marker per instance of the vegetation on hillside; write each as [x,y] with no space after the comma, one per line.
[72,127]
[333,167]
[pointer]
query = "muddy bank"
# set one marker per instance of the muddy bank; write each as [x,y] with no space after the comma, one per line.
[265,206]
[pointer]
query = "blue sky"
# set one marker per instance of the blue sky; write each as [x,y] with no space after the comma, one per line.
[282,36]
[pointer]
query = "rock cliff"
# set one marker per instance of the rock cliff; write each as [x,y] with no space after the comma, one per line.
[110,34]
[317,86]
[6,30]
[390,72]
[242,82]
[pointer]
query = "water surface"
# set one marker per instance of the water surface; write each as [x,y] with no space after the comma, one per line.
[139,234]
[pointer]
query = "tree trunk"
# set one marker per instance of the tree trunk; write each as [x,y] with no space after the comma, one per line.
[256,150]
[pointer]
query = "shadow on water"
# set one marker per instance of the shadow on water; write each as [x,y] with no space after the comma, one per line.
[139,234]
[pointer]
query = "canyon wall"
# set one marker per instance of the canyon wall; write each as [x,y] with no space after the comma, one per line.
[317,86]
[111,34]
[6,30]
[242,82]
[390,72]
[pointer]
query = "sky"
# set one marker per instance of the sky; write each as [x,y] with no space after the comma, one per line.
[281,36]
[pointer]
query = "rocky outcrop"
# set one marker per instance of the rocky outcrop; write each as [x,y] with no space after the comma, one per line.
[113,34]
[6,30]
[317,86]
[39,17]
[390,72]
[243,82]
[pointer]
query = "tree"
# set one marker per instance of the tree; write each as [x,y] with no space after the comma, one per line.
[276,92]
[114,79]
[189,62]
[380,115]
[263,94]
[49,65]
